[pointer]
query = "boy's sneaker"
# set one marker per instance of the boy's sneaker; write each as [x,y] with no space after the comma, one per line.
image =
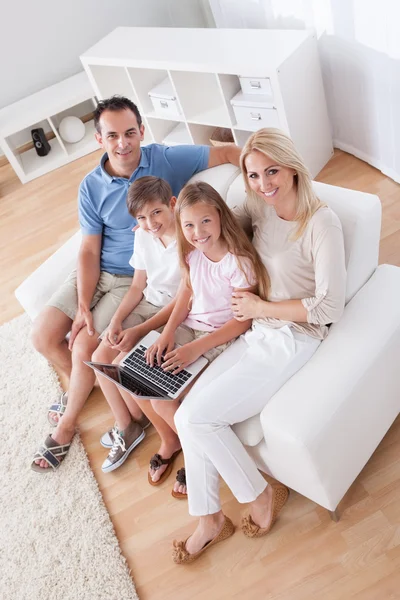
[124,442]
[107,439]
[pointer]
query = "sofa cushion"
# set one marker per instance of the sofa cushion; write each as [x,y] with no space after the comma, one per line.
[360,216]
[249,432]
[220,178]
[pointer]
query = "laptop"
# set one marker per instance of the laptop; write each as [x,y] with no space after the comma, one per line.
[135,376]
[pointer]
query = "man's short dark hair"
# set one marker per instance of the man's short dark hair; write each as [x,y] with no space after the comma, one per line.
[115,103]
[147,189]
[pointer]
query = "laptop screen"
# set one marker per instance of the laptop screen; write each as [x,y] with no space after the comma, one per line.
[122,377]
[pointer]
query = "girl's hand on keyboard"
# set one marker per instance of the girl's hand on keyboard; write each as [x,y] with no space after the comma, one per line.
[155,352]
[128,339]
[178,359]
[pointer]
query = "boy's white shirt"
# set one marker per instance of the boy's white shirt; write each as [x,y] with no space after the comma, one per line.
[161,265]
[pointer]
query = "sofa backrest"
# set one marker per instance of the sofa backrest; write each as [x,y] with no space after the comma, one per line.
[359,214]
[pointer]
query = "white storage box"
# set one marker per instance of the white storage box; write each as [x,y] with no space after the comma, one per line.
[164,100]
[256,85]
[253,112]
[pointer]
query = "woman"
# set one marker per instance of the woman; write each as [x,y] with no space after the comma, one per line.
[300,242]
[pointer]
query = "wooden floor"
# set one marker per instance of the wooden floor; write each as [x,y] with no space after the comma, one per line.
[306,555]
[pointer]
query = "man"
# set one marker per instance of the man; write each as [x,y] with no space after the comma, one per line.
[86,302]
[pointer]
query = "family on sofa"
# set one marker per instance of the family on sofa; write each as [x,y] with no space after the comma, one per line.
[266,305]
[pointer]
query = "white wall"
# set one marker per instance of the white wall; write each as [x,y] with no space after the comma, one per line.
[40,42]
[359,46]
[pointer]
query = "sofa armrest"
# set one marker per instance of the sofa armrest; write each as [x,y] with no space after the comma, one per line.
[37,289]
[338,407]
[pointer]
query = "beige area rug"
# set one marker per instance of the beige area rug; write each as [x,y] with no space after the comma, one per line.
[56,538]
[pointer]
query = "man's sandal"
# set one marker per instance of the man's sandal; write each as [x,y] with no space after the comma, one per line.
[158,461]
[280,494]
[52,453]
[59,408]
[181,479]
[181,556]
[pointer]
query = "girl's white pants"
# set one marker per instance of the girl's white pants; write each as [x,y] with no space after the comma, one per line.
[235,387]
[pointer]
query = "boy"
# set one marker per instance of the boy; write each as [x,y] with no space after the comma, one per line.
[154,285]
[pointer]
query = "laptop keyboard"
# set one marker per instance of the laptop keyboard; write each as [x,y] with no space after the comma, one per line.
[155,374]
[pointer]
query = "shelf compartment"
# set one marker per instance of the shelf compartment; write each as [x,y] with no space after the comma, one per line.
[201,134]
[34,165]
[170,133]
[143,81]
[84,111]
[86,145]
[241,136]
[148,136]
[230,86]
[112,80]
[201,98]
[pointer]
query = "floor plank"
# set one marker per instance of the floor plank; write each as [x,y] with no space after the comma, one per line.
[306,555]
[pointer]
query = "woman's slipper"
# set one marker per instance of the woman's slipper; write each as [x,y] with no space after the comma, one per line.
[52,452]
[158,461]
[58,408]
[280,494]
[181,479]
[181,556]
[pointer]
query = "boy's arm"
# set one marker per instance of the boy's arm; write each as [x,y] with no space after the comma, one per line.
[132,297]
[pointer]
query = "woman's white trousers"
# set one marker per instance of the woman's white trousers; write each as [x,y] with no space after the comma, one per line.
[235,387]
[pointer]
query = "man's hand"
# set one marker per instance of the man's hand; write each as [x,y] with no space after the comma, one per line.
[165,342]
[127,339]
[84,318]
[180,358]
[246,305]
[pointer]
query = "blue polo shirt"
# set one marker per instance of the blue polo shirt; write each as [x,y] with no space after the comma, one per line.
[102,198]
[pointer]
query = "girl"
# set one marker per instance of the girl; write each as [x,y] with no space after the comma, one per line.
[300,242]
[217,258]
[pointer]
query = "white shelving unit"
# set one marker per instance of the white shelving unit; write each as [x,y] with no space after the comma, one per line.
[73,96]
[204,66]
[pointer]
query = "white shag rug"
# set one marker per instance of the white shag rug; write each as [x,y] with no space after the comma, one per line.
[56,538]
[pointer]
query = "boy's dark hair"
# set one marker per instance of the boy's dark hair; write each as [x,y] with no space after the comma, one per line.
[115,103]
[147,189]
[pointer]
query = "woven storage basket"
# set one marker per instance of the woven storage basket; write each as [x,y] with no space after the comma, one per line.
[221,136]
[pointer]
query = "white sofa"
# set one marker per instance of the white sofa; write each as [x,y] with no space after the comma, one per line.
[317,433]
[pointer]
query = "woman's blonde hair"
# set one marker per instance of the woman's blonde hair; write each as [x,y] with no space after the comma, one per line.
[279,147]
[231,232]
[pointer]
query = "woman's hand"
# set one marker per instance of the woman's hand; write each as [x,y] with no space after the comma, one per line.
[246,305]
[180,358]
[113,334]
[165,342]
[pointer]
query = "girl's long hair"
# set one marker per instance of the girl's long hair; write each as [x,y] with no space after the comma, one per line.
[231,232]
[279,147]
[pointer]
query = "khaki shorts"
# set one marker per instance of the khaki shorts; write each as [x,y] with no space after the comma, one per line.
[143,311]
[110,290]
[185,334]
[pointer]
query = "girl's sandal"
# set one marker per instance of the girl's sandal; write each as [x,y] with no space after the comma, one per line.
[181,479]
[280,494]
[181,556]
[157,461]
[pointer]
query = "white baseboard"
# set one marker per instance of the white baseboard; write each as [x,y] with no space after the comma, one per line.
[388,171]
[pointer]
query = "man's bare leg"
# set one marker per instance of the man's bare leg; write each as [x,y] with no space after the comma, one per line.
[48,337]
[80,385]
